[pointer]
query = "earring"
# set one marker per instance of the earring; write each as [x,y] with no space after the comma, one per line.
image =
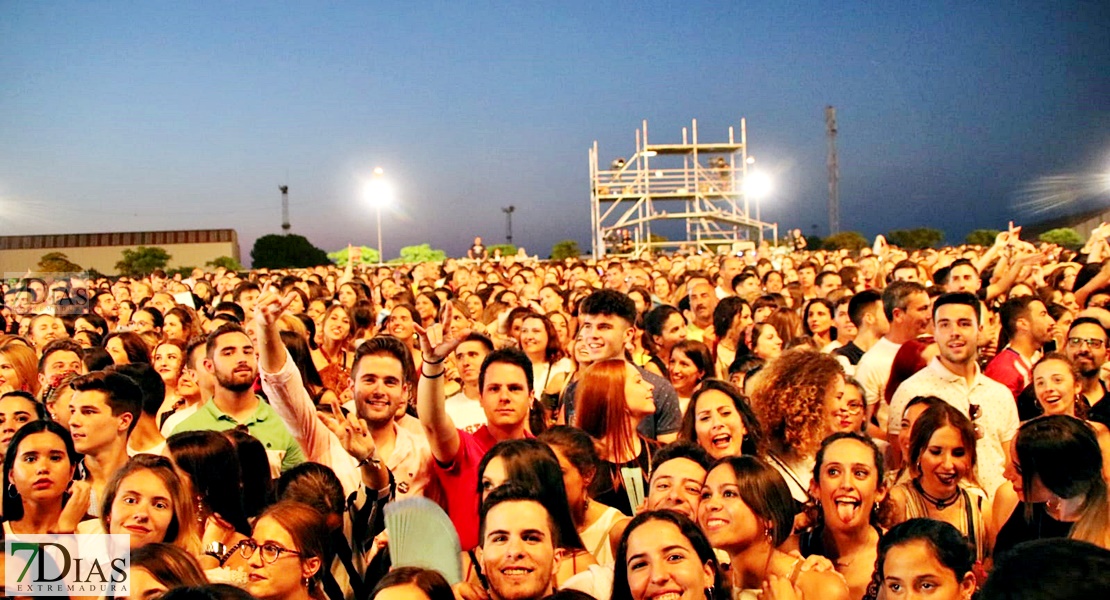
[709,591]
[12,492]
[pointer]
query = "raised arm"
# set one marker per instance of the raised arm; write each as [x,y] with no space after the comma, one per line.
[430,399]
[283,384]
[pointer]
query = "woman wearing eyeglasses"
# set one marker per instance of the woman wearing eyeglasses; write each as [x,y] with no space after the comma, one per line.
[285,553]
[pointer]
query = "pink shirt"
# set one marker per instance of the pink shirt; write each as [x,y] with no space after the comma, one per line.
[411,459]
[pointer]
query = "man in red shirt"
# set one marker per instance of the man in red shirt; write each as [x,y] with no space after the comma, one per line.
[1027,325]
[505,386]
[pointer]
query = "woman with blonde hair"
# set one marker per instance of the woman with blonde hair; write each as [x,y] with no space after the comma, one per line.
[147,500]
[794,396]
[18,367]
[612,399]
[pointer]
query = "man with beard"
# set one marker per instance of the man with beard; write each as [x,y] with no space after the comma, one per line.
[1086,347]
[954,377]
[1027,325]
[519,550]
[703,301]
[104,304]
[380,378]
[230,358]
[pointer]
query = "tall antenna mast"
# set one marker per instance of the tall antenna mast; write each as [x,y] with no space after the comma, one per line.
[509,222]
[285,226]
[834,172]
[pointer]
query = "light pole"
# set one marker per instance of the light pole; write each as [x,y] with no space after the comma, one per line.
[757,186]
[380,193]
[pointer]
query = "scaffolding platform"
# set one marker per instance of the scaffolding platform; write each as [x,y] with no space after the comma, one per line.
[701,184]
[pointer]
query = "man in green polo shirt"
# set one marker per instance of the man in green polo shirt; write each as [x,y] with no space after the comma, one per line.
[231,360]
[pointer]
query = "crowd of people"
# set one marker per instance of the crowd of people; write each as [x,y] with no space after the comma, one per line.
[780,423]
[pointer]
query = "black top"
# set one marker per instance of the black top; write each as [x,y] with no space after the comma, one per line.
[850,351]
[608,485]
[1100,412]
[1018,530]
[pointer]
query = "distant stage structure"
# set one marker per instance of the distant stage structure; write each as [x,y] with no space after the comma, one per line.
[701,184]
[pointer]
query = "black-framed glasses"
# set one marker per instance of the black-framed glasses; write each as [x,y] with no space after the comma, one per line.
[1093,343]
[270,551]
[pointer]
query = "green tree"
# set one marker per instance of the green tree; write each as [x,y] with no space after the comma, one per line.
[58,262]
[981,237]
[506,249]
[565,249]
[275,251]
[141,261]
[226,262]
[1064,236]
[183,271]
[419,254]
[851,240]
[915,239]
[368,256]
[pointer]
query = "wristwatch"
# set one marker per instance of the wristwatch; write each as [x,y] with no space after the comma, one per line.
[218,551]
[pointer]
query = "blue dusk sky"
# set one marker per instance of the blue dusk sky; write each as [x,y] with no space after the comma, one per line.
[125,116]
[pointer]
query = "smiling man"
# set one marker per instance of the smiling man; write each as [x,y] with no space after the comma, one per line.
[505,384]
[955,377]
[519,551]
[607,329]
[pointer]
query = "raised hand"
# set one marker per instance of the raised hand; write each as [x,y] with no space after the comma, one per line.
[270,306]
[435,343]
[352,432]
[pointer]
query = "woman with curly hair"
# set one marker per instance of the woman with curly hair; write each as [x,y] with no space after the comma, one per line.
[793,397]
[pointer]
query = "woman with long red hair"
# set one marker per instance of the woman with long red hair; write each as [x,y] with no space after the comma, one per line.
[612,398]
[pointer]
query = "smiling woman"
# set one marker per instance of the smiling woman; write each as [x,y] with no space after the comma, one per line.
[148,501]
[942,461]
[664,552]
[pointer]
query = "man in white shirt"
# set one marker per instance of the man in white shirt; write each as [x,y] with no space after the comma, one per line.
[954,377]
[906,307]
[465,407]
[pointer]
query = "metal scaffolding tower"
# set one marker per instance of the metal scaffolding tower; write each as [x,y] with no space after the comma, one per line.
[699,183]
